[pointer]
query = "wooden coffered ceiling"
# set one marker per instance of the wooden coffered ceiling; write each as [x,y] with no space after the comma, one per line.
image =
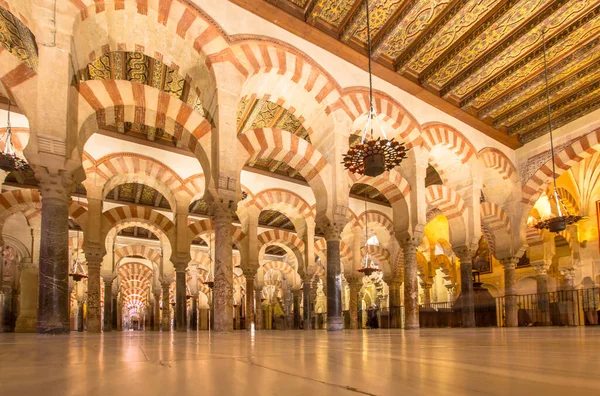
[483,58]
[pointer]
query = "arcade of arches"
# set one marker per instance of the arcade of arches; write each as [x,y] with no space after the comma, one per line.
[186,163]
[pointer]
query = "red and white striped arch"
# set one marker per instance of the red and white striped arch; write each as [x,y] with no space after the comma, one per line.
[281,237]
[18,81]
[144,251]
[380,256]
[354,102]
[439,134]
[446,200]
[495,217]
[281,266]
[200,227]
[492,158]
[126,216]
[104,103]
[391,184]
[584,147]
[282,74]
[120,168]
[378,218]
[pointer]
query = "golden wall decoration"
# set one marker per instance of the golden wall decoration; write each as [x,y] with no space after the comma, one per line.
[18,39]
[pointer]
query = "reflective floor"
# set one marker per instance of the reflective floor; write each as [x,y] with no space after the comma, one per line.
[528,361]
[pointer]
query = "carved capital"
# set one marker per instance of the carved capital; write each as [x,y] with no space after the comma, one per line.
[180,261]
[54,183]
[249,272]
[464,253]
[541,267]
[568,272]
[332,229]
[222,210]
[94,254]
[509,263]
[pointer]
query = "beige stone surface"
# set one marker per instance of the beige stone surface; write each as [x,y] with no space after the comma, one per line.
[429,362]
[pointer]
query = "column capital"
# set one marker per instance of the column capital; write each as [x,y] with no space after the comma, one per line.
[332,229]
[250,272]
[94,254]
[541,267]
[464,253]
[181,261]
[509,263]
[27,264]
[409,241]
[568,272]
[222,210]
[54,183]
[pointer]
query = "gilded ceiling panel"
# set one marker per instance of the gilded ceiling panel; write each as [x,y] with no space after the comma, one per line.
[566,87]
[381,11]
[530,41]
[266,114]
[332,11]
[450,32]
[533,64]
[573,63]
[408,29]
[562,120]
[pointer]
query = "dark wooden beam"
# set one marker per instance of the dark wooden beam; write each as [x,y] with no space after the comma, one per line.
[285,21]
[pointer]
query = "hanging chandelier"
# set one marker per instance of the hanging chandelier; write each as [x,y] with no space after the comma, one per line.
[372,156]
[9,162]
[564,218]
[368,266]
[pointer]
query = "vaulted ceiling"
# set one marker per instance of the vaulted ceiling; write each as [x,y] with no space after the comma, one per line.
[482,56]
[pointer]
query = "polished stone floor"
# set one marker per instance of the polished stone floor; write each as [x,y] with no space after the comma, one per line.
[528,361]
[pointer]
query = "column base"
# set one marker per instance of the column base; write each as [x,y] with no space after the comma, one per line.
[334,324]
[411,327]
[307,324]
[26,324]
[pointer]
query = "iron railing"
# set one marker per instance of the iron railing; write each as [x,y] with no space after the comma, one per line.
[559,308]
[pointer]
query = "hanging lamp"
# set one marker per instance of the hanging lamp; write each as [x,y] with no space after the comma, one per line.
[372,156]
[78,272]
[9,162]
[368,267]
[563,219]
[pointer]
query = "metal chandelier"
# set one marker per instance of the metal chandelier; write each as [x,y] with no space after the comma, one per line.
[372,156]
[564,218]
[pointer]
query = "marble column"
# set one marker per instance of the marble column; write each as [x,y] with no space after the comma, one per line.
[250,276]
[465,255]
[296,295]
[426,293]
[541,276]
[354,283]
[180,299]
[258,317]
[411,287]
[27,320]
[94,257]
[119,309]
[194,313]
[510,291]
[395,303]
[156,326]
[114,313]
[166,307]
[53,287]
[334,277]
[223,286]
[80,316]
[306,303]
[108,304]
[150,313]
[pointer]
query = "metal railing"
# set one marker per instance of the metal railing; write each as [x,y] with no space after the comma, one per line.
[559,308]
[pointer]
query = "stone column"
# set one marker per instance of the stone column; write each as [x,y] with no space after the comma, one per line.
[306,303]
[569,278]
[180,297]
[108,304]
[53,287]
[27,320]
[166,307]
[296,295]
[426,293]
[194,313]
[119,314]
[541,270]
[80,305]
[114,313]
[465,255]
[156,326]
[395,303]
[354,284]
[150,314]
[250,276]
[334,277]
[258,318]
[411,289]
[510,291]
[94,256]
[223,287]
